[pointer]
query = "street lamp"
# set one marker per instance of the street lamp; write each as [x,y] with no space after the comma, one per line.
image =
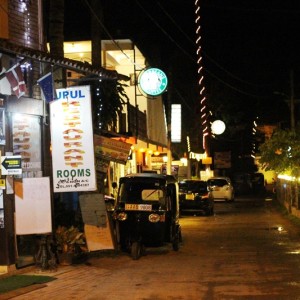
[218,127]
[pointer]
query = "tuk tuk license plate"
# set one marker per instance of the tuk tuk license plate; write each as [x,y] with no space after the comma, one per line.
[189,197]
[144,207]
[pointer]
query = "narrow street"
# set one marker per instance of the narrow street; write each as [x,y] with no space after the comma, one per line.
[247,250]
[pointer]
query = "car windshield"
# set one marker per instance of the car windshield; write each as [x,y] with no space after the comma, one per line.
[217,182]
[140,192]
[192,187]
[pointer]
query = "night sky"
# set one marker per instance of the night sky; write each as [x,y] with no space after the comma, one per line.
[249,49]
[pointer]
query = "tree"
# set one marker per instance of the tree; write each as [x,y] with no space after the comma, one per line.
[281,153]
[109,98]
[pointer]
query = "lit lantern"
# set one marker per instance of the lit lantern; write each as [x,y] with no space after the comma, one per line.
[218,127]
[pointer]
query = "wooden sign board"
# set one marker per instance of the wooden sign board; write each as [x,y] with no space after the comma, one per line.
[97,225]
[93,209]
[98,238]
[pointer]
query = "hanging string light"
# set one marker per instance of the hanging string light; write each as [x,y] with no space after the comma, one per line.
[100,107]
[24,8]
[254,137]
[203,100]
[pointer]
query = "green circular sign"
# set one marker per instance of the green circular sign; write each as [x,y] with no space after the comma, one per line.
[153,81]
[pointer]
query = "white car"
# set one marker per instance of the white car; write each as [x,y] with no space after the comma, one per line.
[221,188]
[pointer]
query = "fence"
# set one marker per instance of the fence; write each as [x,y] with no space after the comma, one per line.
[287,193]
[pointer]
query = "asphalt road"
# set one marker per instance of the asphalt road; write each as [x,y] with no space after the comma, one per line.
[247,250]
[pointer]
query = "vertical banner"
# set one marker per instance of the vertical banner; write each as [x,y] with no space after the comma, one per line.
[72,140]
[176,123]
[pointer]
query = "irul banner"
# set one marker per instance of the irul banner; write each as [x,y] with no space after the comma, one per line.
[72,140]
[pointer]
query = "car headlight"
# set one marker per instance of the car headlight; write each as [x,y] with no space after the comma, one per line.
[154,218]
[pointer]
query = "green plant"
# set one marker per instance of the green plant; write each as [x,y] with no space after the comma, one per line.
[281,152]
[70,240]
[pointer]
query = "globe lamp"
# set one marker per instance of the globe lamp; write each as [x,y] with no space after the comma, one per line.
[218,127]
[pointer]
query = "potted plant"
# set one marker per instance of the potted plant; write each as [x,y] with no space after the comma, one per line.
[70,241]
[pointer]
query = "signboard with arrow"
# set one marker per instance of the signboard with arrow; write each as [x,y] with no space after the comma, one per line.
[11,165]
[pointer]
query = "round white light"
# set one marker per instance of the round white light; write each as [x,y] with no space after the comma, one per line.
[218,127]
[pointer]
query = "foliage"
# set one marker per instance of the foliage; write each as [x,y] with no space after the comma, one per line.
[69,239]
[281,152]
[109,98]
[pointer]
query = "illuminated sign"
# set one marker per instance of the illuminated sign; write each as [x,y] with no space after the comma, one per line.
[72,140]
[153,81]
[176,123]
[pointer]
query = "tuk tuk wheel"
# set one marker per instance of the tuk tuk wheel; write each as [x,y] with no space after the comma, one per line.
[136,250]
[176,244]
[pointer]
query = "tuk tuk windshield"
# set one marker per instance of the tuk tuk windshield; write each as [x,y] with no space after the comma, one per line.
[141,192]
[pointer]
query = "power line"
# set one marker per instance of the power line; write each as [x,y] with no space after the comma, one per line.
[205,54]
[192,58]
[109,35]
[170,38]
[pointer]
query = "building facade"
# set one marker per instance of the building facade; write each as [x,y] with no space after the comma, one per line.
[25,128]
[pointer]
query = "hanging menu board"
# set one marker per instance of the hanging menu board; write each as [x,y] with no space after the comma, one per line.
[26,130]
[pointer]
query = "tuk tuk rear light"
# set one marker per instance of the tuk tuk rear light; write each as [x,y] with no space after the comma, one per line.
[154,218]
[122,216]
[205,196]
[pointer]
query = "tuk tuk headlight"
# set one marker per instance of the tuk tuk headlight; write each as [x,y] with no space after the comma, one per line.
[122,216]
[154,218]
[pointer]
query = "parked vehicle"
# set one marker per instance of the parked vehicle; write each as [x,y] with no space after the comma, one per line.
[258,183]
[241,182]
[147,212]
[109,202]
[195,196]
[221,188]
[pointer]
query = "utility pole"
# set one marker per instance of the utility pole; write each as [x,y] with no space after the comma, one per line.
[292,101]
[169,102]
[293,123]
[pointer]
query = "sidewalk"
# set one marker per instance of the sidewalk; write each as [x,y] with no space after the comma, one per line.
[266,251]
[17,271]
[36,270]
[31,270]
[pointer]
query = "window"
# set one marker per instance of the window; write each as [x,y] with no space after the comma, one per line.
[218,182]
[152,195]
[140,192]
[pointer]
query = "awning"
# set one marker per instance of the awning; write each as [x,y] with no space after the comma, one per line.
[111,150]
[41,56]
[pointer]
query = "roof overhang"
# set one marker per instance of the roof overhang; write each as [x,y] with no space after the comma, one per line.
[81,67]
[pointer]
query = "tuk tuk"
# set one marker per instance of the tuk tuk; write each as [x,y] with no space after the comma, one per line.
[147,212]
